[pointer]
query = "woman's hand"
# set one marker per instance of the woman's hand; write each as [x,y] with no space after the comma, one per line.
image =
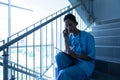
[84,57]
[71,53]
[65,33]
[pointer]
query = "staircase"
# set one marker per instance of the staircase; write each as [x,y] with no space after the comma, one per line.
[107,41]
[31,55]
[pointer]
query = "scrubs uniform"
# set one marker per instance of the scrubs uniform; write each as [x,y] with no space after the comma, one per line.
[77,69]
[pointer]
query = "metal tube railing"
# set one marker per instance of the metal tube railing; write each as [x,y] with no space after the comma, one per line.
[44,67]
[36,28]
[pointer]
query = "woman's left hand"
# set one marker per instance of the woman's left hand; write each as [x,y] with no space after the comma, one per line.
[71,53]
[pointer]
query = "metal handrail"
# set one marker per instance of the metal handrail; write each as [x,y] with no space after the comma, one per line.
[33,73]
[30,30]
[34,29]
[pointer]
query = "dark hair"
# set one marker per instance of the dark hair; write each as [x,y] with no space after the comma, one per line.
[71,17]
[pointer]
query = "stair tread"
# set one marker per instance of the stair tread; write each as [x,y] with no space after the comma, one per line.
[109,59]
[103,76]
[107,26]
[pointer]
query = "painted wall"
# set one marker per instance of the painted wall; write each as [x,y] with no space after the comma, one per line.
[82,11]
[102,9]
[106,9]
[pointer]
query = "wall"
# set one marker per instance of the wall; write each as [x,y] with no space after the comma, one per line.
[84,10]
[106,9]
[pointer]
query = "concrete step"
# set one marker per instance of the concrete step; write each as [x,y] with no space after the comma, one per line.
[106,26]
[103,76]
[109,51]
[108,40]
[106,32]
[108,65]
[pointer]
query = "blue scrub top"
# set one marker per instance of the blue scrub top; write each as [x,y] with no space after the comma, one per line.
[84,43]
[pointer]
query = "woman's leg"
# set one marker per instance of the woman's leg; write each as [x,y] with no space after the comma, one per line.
[72,73]
[63,61]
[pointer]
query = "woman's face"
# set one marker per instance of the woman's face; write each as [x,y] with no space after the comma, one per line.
[70,25]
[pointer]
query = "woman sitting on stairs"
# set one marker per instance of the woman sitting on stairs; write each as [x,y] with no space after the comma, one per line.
[77,62]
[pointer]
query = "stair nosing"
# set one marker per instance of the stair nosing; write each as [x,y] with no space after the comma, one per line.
[106,29]
[108,59]
[107,46]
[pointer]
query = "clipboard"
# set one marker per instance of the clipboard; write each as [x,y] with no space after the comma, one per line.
[66,54]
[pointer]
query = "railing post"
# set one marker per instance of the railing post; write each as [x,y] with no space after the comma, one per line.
[12,77]
[5,64]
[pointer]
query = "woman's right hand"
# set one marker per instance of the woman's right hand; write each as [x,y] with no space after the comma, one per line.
[65,33]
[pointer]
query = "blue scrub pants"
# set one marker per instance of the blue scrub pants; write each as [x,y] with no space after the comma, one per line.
[68,68]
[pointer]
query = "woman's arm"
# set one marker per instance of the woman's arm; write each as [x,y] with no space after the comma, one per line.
[65,34]
[81,56]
